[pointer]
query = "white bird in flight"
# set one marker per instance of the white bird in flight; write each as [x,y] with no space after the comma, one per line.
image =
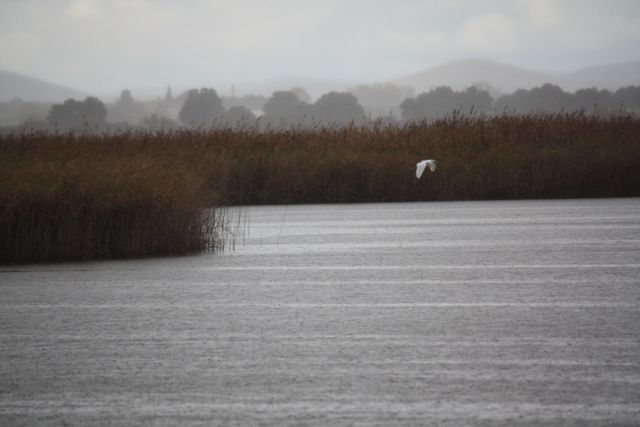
[420,166]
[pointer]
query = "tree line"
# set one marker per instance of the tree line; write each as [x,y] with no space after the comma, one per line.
[548,98]
[204,108]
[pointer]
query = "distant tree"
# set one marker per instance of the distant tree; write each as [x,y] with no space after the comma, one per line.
[338,108]
[628,99]
[88,114]
[410,110]
[475,99]
[238,117]
[436,103]
[443,101]
[485,86]
[593,100]
[282,104]
[514,103]
[202,107]
[284,109]
[549,98]
[96,112]
[125,109]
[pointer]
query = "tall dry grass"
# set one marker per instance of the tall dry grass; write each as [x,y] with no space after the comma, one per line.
[545,156]
[137,194]
[69,197]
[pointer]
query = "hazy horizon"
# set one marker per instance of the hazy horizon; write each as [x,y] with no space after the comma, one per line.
[102,46]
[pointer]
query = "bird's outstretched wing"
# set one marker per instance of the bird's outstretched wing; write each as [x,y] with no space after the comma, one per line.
[421,165]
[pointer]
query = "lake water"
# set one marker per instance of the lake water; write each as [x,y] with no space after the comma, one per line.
[462,313]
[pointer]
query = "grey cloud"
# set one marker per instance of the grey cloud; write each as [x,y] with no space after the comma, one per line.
[110,44]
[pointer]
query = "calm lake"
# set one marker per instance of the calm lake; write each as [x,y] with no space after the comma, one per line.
[461,313]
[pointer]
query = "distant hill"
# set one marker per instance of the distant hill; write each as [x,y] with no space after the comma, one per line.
[507,79]
[14,85]
[610,77]
[466,72]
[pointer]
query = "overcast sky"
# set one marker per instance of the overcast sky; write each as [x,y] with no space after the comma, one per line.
[106,45]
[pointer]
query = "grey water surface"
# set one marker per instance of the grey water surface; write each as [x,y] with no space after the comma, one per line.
[461,313]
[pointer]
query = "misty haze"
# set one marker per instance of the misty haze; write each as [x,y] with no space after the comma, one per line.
[466,87]
[213,212]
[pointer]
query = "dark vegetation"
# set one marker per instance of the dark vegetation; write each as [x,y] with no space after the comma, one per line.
[507,157]
[548,98]
[84,197]
[363,105]
[81,196]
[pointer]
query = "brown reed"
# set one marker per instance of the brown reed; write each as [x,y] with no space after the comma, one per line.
[67,197]
[507,157]
[141,194]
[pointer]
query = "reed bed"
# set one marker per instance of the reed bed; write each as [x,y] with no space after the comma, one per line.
[508,157]
[141,194]
[67,197]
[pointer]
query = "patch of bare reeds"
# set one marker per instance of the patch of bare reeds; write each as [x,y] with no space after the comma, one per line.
[69,197]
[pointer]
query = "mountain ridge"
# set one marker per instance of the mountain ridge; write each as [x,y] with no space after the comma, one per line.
[507,78]
[16,85]
[497,77]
